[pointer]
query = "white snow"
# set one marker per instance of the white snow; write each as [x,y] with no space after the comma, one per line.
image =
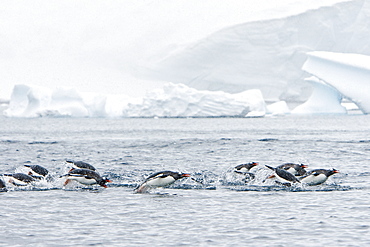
[173,100]
[348,73]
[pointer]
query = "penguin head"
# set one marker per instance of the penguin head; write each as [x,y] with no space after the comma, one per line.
[177,175]
[303,166]
[103,182]
[331,172]
[300,168]
[252,164]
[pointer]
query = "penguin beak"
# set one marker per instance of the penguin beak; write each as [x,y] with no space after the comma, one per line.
[185,175]
[272,176]
[254,163]
[304,166]
[108,181]
[335,171]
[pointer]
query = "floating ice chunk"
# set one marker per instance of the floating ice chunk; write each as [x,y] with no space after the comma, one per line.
[347,73]
[26,101]
[174,100]
[324,100]
[178,100]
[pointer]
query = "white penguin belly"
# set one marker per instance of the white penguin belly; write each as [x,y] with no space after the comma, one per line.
[17,182]
[314,180]
[281,180]
[160,182]
[243,169]
[83,180]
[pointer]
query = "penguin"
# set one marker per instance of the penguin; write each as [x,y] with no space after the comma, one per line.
[284,177]
[80,165]
[86,177]
[243,169]
[317,176]
[295,169]
[37,171]
[3,186]
[160,179]
[20,179]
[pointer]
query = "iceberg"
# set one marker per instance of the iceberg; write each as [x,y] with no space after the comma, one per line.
[173,100]
[348,73]
[266,54]
[323,100]
[121,51]
[178,100]
[35,101]
[130,47]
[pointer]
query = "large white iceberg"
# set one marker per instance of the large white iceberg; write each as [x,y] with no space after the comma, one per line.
[266,54]
[230,46]
[349,74]
[174,100]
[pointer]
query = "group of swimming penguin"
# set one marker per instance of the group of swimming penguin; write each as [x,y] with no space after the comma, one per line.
[80,171]
[289,173]
[86,174]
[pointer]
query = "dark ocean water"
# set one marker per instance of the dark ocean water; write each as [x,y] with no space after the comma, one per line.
[214,208]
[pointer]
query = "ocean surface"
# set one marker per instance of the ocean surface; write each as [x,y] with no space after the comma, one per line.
[215,207]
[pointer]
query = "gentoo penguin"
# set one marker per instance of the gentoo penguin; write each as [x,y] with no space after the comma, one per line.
[317,176]
[244,168]
[37,171]
[2,186]
[160,179]
[295,169]
[284,177]
[20,179]
[80,165]
[87,177]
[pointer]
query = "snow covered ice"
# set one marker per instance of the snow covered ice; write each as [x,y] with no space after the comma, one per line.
[174,100]
[209,58]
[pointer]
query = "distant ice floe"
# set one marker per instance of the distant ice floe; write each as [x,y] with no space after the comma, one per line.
[173,100]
